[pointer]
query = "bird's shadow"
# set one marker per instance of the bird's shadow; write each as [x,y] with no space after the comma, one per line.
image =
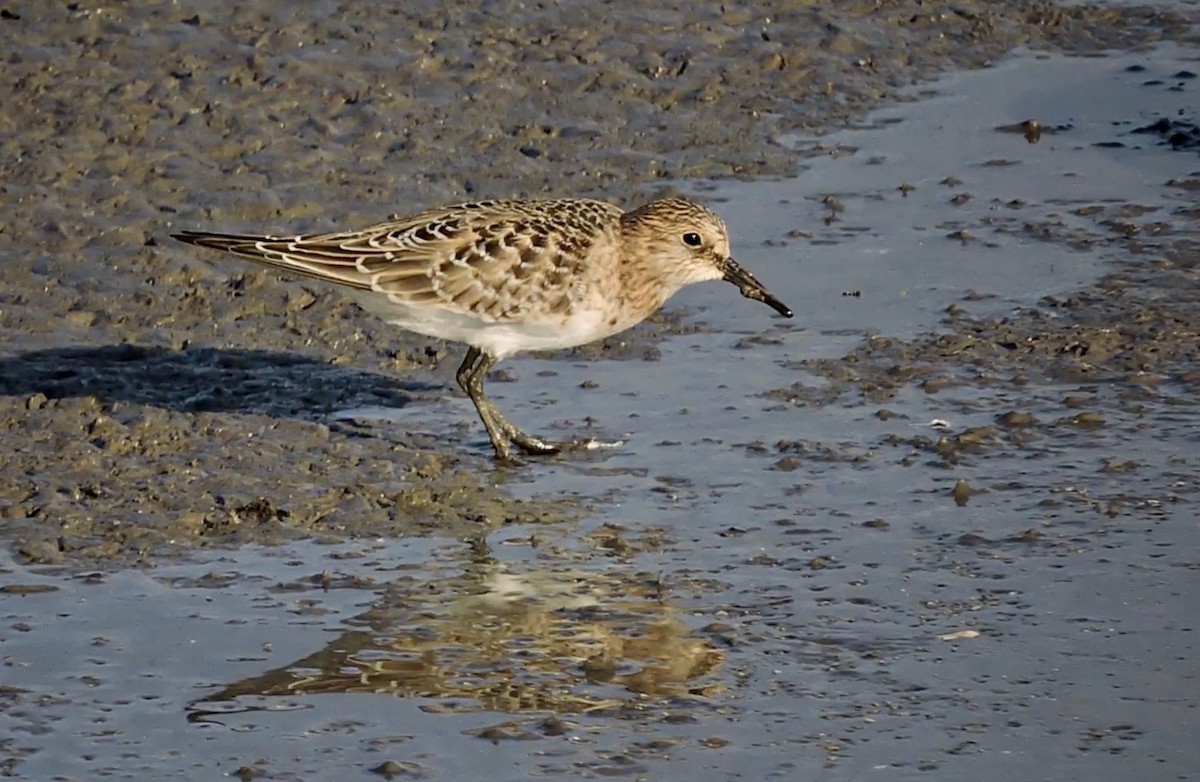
[280,385]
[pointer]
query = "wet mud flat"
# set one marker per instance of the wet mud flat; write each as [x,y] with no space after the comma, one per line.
[127,123]
[944,525]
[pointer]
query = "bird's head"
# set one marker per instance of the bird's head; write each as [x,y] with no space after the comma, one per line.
[685,242]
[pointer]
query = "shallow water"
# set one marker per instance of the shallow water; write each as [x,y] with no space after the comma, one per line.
[769,581]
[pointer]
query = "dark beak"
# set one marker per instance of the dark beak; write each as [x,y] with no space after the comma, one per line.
[751,288]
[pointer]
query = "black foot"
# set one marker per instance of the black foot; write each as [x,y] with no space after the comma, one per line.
[535,446]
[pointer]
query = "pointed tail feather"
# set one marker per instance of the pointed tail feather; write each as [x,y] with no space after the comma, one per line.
[230,243]
[279,253]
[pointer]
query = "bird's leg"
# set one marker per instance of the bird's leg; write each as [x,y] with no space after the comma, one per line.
[470,376]
[470,380]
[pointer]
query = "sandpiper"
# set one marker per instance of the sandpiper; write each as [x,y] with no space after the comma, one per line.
[507,276]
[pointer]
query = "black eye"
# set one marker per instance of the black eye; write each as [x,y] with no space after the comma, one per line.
[692,239]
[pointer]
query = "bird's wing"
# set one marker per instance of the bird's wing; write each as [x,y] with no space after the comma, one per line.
[493,259]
